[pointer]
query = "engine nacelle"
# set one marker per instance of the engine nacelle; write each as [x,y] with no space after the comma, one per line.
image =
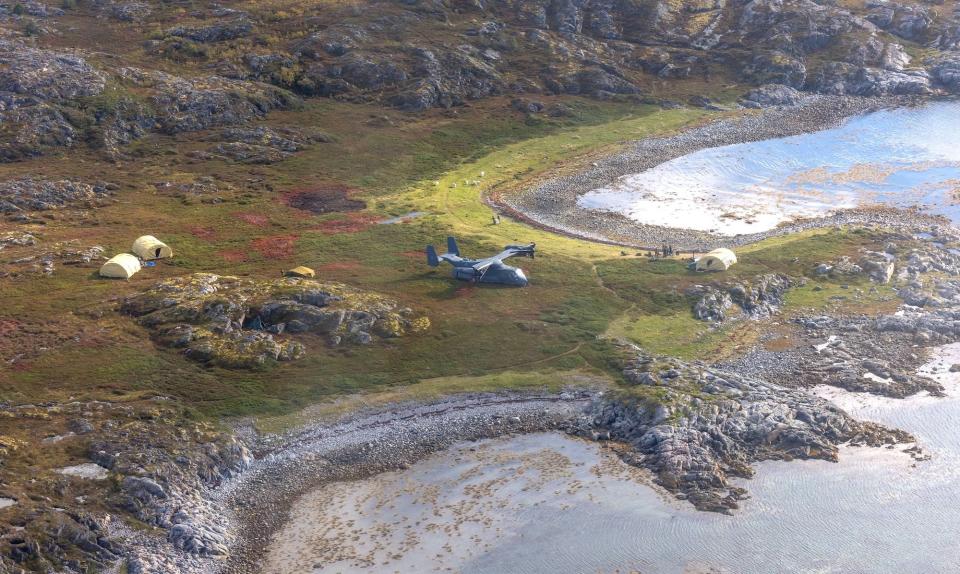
[465,273]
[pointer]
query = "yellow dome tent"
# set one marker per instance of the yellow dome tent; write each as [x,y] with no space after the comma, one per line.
[300,271]
[717,260]
[121,266]
[149,247]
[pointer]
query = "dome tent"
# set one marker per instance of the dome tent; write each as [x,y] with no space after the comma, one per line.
[121,266]
[717,260]
[149,247]
[301,271]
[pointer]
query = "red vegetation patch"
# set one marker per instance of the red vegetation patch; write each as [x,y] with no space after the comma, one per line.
[21,341]
[353,223]
[275,246]
[8,326]
[233,255]
[339,266]
[327,198]
[205,233]
[256,219]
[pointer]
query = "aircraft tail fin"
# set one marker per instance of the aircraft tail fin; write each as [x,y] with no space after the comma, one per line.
[452,248]
[432,259]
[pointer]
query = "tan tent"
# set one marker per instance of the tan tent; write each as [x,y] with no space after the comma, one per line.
[301,271]
[717,260]
[149,247]
[121,266]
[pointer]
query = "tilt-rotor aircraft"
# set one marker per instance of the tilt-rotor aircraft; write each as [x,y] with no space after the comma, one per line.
[488,270]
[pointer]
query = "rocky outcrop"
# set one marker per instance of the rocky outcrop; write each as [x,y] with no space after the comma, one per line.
[28,8]
[602,48]
[759,298]
[847,79]
[945,71]
[217,32]
[30,194]
[133,11]
[771,95]
[157,466]
[238,323]
[43,75]
[44,259]
[878,354]
[264,145]
[33,84]
[908,21]
[183,105]
[696,427]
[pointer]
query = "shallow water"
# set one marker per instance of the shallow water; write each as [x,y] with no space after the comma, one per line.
[901,157]
[546,503]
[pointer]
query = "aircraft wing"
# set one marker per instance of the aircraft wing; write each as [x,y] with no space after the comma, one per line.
[485,264]
[516,251]
[510,251]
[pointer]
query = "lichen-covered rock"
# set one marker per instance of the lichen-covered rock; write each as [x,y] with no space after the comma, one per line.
[16,239]
[771,95]
[133,11]
[759,298]
[217,32]
[31,130]
[911,22]
[30,8]
[777,68]
[30,194]
[695,427]
[238,323]
[879,266]
[945,71]
[46,75]
[847,79]
[183,105]
[250,153]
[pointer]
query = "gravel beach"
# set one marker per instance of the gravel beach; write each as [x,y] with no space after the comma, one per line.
[364,444]
[553,204]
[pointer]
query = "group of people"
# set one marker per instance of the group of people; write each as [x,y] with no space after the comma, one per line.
[664,250]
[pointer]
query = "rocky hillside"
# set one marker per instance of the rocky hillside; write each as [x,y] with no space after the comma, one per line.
[182,68]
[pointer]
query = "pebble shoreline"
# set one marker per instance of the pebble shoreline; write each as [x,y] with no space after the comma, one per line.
[553,204]
[255,505]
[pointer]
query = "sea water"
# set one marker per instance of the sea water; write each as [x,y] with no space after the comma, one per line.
[547,503]
[903,157]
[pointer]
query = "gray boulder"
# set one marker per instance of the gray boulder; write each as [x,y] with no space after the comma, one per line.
[216,32]
[771,95]
[30,194]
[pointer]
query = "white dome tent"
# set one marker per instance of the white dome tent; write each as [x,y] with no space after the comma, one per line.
[717,260]
[149,247]
[122,266]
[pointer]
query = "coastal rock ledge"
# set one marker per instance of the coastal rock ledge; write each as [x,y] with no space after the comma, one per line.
[695,427]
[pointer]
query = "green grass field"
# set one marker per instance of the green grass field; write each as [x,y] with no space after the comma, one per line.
[583,295]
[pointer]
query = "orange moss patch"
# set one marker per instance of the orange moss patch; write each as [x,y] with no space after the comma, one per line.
[275,246]
[256,219]
[353,223]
